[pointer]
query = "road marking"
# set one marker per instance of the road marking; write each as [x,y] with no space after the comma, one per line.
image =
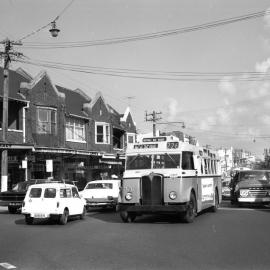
[244,209]
[8,265]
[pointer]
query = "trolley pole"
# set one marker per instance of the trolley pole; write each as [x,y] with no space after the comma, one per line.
[4,157]
[153,118]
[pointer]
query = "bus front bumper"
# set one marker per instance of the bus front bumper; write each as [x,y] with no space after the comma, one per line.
[167,208]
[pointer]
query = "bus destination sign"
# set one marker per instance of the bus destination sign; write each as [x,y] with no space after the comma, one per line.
[145,146]
[155,139]
[172,145]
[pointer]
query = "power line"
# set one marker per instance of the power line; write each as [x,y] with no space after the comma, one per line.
[154,75]
[152,35]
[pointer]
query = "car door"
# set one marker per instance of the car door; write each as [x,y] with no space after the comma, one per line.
[49,201]
[77,202]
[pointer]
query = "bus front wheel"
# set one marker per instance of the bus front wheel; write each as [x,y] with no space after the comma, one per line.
[190,214]
[127,216]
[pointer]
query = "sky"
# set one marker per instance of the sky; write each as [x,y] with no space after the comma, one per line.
[221,113]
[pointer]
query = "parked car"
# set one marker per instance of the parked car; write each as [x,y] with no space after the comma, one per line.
[57,201]
[102,193]
[225,189]
[13,199]
[251,186]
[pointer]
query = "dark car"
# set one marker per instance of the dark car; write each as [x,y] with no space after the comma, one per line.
[251,187]
[13,199]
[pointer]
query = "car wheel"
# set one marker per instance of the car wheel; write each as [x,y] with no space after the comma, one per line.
[12,209]
[127,216]
[29,220]
[216,205]
[82,216]
[64,217]
[190,213]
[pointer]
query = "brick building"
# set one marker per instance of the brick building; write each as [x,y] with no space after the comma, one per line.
[55,131]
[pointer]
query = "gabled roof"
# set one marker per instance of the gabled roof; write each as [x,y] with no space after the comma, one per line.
[75,101]
[96,98]
[37,79]
[15,79]
[125,116]
[113,111]
[24,73]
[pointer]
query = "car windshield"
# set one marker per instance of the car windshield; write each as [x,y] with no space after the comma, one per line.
[22,186]
[255,176]
[99,186]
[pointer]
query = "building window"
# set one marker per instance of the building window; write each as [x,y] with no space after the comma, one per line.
[46,121]
[130,138]
[75,130]
[102,133]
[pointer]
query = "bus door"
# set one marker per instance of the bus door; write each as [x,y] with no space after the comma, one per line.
[152,189]
[205,184]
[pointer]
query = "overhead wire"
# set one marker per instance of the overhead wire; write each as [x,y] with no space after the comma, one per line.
[153,75]
[152,35]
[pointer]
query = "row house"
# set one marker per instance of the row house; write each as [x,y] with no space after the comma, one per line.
[58,132]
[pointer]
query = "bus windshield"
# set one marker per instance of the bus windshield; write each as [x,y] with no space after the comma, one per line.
[162,161]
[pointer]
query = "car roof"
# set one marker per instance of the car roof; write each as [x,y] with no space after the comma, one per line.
[104,181]
[55,185]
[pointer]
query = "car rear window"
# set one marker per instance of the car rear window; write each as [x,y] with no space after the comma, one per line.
[35,192]
[99,186]
[50,193]
[65,193]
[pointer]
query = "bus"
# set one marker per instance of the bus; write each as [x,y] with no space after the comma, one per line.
[166,175]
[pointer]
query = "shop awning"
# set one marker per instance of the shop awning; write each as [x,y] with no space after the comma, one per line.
[16,146]
[66,151]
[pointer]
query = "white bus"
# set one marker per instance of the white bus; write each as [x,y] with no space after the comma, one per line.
[164,174]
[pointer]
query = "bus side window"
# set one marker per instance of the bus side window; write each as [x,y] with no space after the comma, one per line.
[205,166]
[187,161]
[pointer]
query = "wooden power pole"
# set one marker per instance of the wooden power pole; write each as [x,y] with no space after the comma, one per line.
[4,157]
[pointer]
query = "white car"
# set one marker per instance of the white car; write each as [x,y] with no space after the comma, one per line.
[101,193]
[56,201]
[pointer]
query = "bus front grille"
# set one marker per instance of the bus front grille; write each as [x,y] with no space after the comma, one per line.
[152,189]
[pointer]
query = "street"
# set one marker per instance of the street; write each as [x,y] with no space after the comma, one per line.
[232,238]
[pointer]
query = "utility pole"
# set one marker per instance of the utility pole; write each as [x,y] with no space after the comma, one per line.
[6,55]
[153,119]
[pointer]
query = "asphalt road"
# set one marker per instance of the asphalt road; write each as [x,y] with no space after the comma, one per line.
[232,238]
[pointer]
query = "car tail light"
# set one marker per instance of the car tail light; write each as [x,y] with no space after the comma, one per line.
[110,197]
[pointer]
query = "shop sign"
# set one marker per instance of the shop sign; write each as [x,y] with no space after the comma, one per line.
[24,164]
[49,165]
[5,145]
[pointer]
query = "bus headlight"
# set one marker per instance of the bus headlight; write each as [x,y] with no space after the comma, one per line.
[173,195]
[128,196]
